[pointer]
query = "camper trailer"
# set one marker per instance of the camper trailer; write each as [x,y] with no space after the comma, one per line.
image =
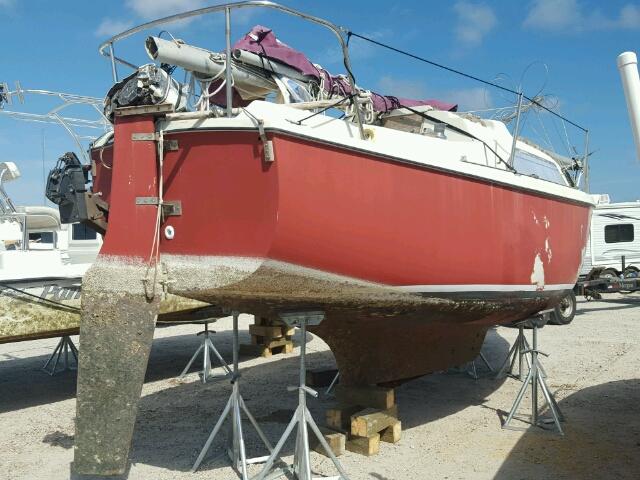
[613,249]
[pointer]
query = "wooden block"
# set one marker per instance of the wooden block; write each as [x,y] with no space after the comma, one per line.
[392,433]
[364,445]
[321,377]
[339,417]
[336,440]
[367,396]
[268,343]
[369,421]
[260,350]
[288,332]
[266,331]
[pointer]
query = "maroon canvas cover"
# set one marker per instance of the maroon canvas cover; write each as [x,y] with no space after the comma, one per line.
[262,41]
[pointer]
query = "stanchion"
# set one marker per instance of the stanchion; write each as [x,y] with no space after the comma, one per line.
[235,406]
[302,418]
[207,348]
[64,347]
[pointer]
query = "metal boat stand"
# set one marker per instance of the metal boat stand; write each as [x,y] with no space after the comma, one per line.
[332,384]
[65,345]
[235,406]
[207,348]
[535,378]
[519,351]
[302,418]
[472,370]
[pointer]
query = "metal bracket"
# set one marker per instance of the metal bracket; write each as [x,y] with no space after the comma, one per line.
[269,154]
[146,200]
[169,145]
[170,208]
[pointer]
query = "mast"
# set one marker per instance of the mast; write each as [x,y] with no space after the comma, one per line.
[628,66]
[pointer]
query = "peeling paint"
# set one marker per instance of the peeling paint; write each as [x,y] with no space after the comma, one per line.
[537,274]
[547,248]
[546,222]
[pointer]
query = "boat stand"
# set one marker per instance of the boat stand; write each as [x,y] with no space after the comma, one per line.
[65,345]
[332,384]
[302,418]
[535,378]
[472,370]
[235,406]
[519,351]
[207,348]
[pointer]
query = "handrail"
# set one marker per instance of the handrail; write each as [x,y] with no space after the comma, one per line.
[227,8]
[54,115]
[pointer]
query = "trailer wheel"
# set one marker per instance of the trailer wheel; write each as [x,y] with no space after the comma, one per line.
[609,273]
[565,311]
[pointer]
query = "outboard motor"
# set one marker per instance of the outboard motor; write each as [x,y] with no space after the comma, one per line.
[66,187]
[149,85]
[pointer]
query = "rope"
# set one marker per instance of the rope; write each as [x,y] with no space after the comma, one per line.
[342,100]
[40,299]
[154,255]
[466,75]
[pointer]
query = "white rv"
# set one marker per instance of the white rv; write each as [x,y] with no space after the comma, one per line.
[614,233]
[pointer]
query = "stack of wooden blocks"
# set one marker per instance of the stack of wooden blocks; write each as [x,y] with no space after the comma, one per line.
[363,417]
[268,337]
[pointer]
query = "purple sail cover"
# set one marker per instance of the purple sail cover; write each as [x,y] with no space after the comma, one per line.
[262,41]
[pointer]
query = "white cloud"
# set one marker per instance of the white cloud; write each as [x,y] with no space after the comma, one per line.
[474,22]
[629,17]
[110,27]
[358,49]
[152,9]
[467,99]
[402,88]
[571,16]
[146,10]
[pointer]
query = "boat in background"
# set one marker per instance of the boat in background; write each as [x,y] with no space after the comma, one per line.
[41,266]
[415,228]
[43,260]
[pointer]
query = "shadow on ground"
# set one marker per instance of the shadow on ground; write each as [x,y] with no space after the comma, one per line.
[23,384]
[602,438]
[174,423]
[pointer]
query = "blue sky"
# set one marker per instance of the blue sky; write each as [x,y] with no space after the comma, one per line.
[53,45]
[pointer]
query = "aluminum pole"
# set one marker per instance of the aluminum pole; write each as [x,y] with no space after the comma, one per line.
[114,71]
[585,165]
[516,130]
[628,66]
[228,77]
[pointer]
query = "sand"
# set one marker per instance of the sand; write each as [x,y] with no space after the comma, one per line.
[451,422]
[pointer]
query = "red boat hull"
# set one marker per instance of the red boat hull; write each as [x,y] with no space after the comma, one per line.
[360,236]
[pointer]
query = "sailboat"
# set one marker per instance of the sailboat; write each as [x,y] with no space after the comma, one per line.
[413,227]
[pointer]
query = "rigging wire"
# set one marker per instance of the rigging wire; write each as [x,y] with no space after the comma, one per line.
[463,74]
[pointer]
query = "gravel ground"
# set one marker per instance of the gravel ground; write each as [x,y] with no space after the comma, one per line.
[451,423]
